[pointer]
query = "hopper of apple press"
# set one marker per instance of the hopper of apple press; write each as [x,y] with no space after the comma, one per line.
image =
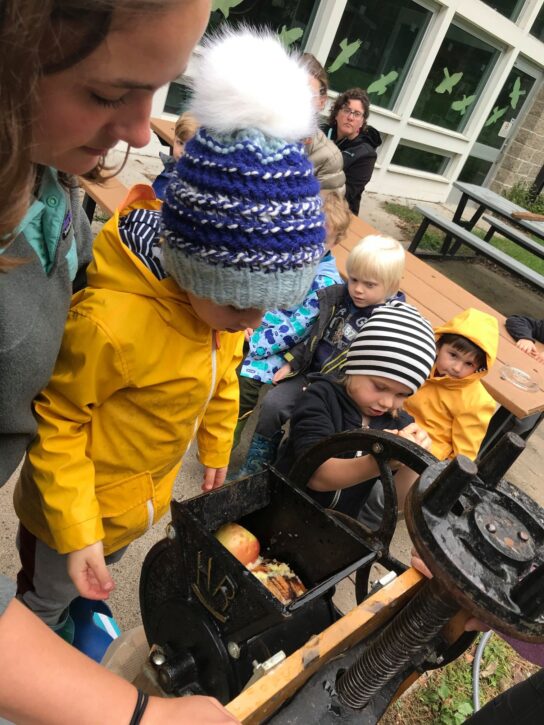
[211,618]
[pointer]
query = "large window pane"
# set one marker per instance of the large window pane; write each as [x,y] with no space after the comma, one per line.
[509,8]
[177,98]
[374,46]
[458,76]
[507,106]
[417,158]
[538,26]
[289,19]
[475,171]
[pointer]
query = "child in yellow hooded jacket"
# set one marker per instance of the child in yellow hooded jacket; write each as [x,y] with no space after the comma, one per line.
[149,354]
[453,406]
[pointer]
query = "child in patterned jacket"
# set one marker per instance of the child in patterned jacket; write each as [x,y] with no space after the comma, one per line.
[374,267]
[280,330]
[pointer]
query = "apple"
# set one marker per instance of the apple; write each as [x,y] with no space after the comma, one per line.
[241,543]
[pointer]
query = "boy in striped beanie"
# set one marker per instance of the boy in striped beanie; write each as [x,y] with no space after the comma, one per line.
[388,361]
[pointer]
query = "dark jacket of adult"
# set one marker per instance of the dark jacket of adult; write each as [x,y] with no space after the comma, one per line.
[326,408]
[525,328]
[359,160]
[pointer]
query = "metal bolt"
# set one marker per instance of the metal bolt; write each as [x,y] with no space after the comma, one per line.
[233,650]
[377,447]
[171,532]
[523,535]
[491,528]
[158,658]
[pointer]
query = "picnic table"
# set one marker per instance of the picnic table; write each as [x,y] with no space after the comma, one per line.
[487,199]
[164,128]
[440,299]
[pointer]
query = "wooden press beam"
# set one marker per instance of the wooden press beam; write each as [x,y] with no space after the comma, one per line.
[530,216]
[266,695]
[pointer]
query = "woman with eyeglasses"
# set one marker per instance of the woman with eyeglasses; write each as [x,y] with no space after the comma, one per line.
[356,140]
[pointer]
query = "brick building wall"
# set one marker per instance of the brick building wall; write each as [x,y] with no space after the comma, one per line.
[524,155]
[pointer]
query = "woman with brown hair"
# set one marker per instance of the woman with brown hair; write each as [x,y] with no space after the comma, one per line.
[76,77]
[356,140]
[326,158]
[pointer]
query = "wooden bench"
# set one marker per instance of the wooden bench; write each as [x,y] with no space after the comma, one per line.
[107,194]
[164,128]
[515,235]
[431,217]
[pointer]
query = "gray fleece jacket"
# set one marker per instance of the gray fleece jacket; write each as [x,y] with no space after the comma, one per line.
[54,240]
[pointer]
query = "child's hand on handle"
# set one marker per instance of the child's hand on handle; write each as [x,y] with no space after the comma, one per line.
[87,569]
[413,432]
[213,478]
[282,373]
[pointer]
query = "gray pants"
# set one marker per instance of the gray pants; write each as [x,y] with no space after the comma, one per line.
[279,404]
[44,584]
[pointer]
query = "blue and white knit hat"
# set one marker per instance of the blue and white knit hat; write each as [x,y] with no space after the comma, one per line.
[396,343]
[242,218]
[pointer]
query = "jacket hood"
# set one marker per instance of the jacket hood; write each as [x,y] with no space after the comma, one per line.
[346,402]
[372,136]
[114,267]
[478,327]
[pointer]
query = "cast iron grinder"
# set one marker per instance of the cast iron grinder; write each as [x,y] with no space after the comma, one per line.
[483,540]
[211,622]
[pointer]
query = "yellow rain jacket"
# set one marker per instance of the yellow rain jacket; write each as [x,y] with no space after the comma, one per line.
[138,376]
[456,413]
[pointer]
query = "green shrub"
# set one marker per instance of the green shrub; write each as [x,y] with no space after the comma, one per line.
[520,194]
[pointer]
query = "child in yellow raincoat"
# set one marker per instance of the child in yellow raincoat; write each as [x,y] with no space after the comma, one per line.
[453,406]
[149,355]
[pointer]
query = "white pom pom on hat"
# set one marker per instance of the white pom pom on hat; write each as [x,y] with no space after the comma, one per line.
[247,79]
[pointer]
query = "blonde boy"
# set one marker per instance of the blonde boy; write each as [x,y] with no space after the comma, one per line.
[374,267]
[184,130]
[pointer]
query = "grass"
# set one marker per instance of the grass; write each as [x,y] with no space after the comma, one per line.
[410,219]
[444,697]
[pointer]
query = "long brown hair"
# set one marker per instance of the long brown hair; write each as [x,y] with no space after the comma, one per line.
[41,37]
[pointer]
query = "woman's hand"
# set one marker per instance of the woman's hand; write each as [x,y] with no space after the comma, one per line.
[247,333]
[87,569]
[282,373]
[213,478]
[194,709]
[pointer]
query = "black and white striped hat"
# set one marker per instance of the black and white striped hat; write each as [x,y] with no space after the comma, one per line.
[395,343]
